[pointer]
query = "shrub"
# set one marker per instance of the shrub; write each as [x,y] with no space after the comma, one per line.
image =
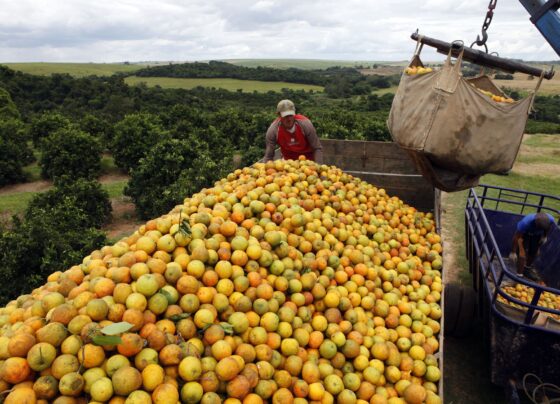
[7,107]
[15,154]
[547,108]
[86,195]
[376,130]
[503,76]
[134,136]
[542,127]
[71,152]
[46,124]
[51,239]
[250,156]
[169,172]
[97,127]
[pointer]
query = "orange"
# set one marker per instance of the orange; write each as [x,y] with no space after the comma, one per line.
[131,344]
[15,370]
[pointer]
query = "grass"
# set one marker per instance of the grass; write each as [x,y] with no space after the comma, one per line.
[548,87]
[454,206]
[534,183]
[15,203]
[74,69]
[115,189]
[539,159]
[247,86]
[305,64]
[108,165]
[522,83]
[546,141]
[32,172]
[383,91]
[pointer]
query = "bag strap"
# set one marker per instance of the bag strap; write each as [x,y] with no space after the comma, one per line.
[419,46]
[458,62]
[535,92]
[539,82]
[485,71]
[450,75]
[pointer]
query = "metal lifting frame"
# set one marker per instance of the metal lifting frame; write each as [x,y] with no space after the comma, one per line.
[482,58]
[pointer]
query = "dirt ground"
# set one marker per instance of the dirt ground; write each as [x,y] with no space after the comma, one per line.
[466,374]
[384,70]
[36,186]
[451,250]
[123,221]
[39,186]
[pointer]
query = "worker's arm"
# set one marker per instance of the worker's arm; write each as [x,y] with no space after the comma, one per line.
[515,244]
[519,249]
[313,139]
[271,135]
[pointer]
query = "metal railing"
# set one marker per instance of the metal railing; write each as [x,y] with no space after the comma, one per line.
[484,255]
[517,201]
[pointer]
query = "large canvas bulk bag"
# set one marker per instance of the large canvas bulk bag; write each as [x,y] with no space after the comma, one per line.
[453,132]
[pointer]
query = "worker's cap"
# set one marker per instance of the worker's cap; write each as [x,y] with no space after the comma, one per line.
[285,108]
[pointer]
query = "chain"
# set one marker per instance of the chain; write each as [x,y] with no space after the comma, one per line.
[486,25]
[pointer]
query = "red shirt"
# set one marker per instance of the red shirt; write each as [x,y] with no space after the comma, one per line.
[293,145]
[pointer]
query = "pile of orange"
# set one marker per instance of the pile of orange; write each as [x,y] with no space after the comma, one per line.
[287,282]
[414,70]
[526,293]
[496,98]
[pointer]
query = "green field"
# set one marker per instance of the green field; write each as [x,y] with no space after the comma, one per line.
[11,204]
[247,86]
[107,69]
[74,69]
[17,202]
[305,64]
[383,91]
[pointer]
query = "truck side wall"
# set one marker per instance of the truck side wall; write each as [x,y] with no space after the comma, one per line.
[385,165]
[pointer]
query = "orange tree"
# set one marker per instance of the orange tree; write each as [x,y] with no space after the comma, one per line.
[170,171]
[71,152]
[134,136]
[86,195]
[15,153]
[46,124]
[13,142]
[48,239]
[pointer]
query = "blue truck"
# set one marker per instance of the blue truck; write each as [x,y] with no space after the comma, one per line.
[545,16]
[520,317]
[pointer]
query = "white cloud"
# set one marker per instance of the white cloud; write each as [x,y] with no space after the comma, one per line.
[133,30]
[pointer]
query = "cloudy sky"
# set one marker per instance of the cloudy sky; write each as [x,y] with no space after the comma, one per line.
[187,30]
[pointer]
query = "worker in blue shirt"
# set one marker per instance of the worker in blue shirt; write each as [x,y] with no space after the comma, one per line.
[530,234]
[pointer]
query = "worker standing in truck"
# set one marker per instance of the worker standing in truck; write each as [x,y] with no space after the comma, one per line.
[530,234]
[294,133]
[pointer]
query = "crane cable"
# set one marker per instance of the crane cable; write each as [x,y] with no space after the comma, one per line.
[540,385]
[485,25]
